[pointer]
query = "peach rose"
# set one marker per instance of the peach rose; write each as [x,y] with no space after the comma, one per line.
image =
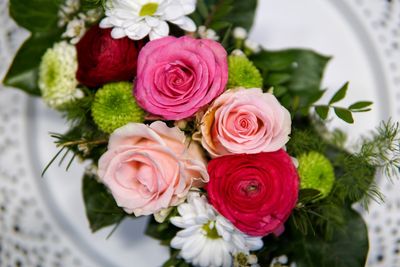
[150,168]
[245,121]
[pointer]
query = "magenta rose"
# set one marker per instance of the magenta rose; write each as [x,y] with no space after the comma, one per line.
[245,121]
[102,59]
[150,168]
[178,76]
[256,192]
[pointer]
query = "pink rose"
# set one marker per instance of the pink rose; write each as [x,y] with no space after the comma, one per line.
[245,121]
[150,168]
[178,76]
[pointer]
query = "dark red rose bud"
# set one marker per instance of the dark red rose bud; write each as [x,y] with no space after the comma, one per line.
[102,59]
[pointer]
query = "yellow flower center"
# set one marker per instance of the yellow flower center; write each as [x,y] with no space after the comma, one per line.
[148,9]
[211,231]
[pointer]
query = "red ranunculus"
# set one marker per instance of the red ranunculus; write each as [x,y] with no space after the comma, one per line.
[102,59]
[256,192]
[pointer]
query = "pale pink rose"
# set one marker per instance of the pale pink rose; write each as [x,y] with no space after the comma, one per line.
[245,121]
[150,168]
[178,76]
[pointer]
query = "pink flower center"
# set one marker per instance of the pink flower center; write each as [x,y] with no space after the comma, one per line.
[250,188]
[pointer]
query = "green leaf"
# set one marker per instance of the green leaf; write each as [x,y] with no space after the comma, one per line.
[344,114]
[348,247]
[222,14]
[322,111]
[23,73]
[300,71]
[341,94]
[279,90]
[92,4]
[40,17]
[175,260]
[162,231]
[360,105]
[101,209]
[35,15]
[278,78]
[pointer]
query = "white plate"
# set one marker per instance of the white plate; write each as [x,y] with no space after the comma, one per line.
[335,27]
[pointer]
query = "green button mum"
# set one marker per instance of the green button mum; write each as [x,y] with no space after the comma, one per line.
[114,106]
[242,73]
[316,172]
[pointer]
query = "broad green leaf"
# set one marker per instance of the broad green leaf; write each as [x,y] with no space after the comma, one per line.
[162,231]
[222,14]
[348,247]
[278,78]
[360,105]
[322,111]
[339,95]
[23,73]
[344,114]
[101,209]
[36,15]
[279,90]
[317,96]
[305,69]
[40,17]
[175,260]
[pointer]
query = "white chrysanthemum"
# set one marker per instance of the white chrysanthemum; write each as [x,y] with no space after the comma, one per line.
[57,80]
[139,18]
[208,239]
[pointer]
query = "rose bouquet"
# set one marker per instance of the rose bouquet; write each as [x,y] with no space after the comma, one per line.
[182,117]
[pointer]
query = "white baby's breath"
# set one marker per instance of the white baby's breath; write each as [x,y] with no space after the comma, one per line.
[66,11]
[240,33]
[75,30]
[205,33]
[252,46]
[137,19]
[208,239]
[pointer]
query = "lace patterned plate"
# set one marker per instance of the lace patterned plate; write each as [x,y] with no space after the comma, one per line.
[42,221]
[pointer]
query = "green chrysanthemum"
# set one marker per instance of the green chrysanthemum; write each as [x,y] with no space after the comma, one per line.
[57,70]
[114,106]
[243,73]
[316,172]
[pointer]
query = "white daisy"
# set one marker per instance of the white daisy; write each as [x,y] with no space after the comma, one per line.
[208,239]
[137,19]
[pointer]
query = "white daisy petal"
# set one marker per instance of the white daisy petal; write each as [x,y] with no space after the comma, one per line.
[160,31]
[117,33]
[173,12]
[152,21]
[207,238]
[185,23]
[131,16]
